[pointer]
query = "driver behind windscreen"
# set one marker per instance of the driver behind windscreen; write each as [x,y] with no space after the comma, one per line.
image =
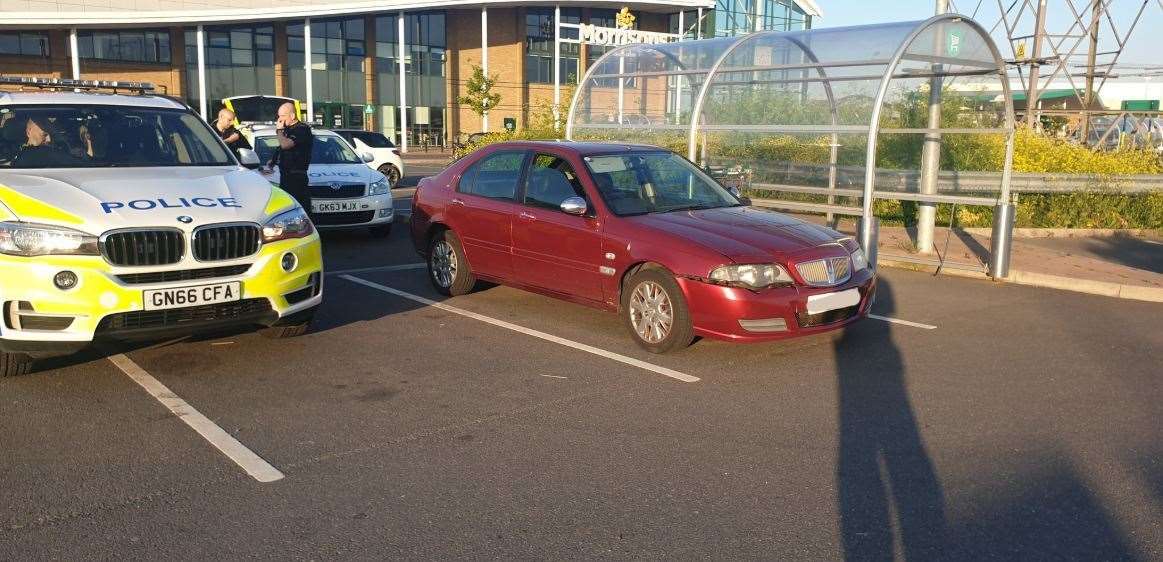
[39,149]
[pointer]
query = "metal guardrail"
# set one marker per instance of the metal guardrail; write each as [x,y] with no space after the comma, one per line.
[899,182]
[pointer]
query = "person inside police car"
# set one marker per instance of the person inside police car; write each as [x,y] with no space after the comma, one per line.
[230,134]
[293,155]
[39,150]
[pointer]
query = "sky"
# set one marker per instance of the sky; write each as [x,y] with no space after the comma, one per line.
[1144,47]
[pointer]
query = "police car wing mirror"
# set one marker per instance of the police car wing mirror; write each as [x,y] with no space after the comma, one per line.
[249,158]
[366,156]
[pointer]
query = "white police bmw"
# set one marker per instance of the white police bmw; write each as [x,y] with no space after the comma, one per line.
[345,193]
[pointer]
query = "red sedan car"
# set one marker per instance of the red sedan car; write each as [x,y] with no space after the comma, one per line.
[637,230]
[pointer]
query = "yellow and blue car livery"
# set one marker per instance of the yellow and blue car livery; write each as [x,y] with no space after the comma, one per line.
[97,254]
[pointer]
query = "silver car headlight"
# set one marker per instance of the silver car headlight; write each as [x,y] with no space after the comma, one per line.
[379,187]
[752,276]
[859,260]
[291,224]
[30,239]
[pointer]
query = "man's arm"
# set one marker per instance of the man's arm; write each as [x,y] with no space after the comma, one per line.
[285,142]
[232,138]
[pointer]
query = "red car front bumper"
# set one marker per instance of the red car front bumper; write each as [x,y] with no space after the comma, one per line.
[716,311]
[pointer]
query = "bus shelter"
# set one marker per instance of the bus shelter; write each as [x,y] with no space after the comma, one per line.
[847,102]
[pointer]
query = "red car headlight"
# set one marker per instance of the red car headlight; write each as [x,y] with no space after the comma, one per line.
[752,276]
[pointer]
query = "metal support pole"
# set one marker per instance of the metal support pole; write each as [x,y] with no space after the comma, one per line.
[699,26]
[1002,239]
[931,150]
[621,87]
[201,40]
[869,233]
[556,65]
[307,59]
[74,54]
[400,55]
[1003,219]
[678,78]
[1036,54]
[1084,127]
[485,59]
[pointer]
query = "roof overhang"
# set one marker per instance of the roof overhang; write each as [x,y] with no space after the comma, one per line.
[145,18]
[810,8]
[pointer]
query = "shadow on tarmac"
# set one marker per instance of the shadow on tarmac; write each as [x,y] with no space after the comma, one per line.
[883,467]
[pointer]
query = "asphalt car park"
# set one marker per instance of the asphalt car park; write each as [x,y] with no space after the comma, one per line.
[967,421]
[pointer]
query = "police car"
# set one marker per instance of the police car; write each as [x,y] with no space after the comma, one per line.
[345,193]
[124,217]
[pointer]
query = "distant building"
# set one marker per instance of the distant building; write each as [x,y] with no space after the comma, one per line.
[359,50]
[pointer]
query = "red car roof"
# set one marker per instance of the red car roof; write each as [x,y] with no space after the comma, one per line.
[580,148]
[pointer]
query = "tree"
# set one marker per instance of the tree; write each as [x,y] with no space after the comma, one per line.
[479,92]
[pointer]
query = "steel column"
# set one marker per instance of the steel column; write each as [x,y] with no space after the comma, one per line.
[401,49]
[74,55]
[201,41]
[485,60]
[307,60]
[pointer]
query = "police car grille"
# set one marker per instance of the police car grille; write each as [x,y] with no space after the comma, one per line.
[341,191]
[179,316]
[218,243]
[183,274]
[143,247]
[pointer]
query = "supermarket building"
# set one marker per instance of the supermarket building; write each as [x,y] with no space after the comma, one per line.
[396,66]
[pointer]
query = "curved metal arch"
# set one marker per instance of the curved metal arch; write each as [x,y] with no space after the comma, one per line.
[878,103]
[697,107]
[589,72]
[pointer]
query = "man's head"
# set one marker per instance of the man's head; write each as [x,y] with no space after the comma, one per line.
[225,117]
[287,114]
[36,133]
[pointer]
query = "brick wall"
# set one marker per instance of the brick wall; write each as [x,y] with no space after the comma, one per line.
[506,60]
[166,76]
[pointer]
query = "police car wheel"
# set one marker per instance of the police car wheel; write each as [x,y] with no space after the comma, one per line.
[289,331]
[381,231]
[14,364]
[391,172]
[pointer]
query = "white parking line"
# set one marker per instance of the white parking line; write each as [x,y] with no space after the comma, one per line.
[400,267]
[529,332]
[253,464]
[904,322]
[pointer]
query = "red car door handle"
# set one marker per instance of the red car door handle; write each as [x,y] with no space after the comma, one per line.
[528,216]
[457,201]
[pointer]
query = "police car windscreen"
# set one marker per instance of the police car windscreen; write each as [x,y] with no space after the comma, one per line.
[326,149]
[374,140]
[106,137]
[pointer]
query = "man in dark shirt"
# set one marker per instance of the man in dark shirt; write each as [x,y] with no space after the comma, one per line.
[228,132]
[293,156]
[39,151]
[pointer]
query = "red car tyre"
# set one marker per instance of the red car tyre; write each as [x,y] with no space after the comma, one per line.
[447,266]
[656,312]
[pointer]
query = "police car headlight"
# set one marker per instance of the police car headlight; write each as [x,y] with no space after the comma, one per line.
[291,224]
[379,187]
[29,239]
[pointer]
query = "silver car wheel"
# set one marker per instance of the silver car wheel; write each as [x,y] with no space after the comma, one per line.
[443,263]
[651,312]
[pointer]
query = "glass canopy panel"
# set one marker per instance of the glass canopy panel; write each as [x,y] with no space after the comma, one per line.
[644,92]
[795,112]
